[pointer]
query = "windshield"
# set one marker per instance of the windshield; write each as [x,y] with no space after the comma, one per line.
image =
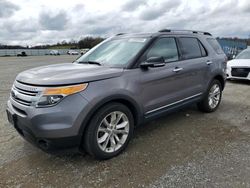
[114,52]
[244,55]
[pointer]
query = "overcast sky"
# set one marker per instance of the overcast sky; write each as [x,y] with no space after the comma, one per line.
[31,22]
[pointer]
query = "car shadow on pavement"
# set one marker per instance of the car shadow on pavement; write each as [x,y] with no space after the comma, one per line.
[141,132]
[242,82]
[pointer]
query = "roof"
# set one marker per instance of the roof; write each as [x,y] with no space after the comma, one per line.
[165,32]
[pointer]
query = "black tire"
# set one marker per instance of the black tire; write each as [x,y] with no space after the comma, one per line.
[90,143]
[204,104]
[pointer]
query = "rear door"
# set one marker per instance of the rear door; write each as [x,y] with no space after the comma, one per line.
[194,60]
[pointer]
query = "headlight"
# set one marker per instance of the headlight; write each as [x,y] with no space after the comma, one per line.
[53,95]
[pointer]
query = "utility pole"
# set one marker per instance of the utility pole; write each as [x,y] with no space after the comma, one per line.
[248,41]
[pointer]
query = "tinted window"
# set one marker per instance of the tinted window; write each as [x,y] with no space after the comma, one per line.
[164,47]
[203,50]
[190,48]
[215,45]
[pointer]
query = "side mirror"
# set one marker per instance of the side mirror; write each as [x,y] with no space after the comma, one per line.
[153,62]
[234,56]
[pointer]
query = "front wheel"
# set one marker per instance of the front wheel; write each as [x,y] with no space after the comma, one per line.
[212,98]
[109,131]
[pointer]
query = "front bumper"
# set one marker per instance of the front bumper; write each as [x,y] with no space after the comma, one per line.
[53,128]
[239,76]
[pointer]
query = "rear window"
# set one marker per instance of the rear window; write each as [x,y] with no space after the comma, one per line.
[191,48]
[215,45]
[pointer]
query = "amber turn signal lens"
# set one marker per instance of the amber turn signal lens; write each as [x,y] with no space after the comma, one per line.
[67,90]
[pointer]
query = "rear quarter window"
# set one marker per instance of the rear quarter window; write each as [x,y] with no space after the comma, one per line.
[215,45]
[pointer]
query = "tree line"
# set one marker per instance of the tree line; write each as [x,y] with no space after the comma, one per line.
[86,42]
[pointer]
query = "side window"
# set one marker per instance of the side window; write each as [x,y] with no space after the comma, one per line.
[215,45]
[164,47]
[190,48]
[203,50]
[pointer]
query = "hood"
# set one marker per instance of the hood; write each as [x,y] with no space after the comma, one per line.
[67,73]
[239,63]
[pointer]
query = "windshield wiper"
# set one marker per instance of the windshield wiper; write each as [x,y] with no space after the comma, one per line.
[91,62]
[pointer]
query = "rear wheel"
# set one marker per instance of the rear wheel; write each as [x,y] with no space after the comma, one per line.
[109,131]
[212,98]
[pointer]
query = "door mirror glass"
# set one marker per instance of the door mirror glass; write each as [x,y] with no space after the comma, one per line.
[155,60]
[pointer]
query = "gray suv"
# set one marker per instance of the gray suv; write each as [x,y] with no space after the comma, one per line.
[94,103]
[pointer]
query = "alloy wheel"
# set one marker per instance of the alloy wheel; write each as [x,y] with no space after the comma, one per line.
[113,131]
[214,96]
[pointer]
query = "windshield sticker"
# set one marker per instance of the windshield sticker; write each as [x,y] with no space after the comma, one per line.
[137,40]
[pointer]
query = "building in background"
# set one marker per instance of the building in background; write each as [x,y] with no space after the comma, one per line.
[232,47]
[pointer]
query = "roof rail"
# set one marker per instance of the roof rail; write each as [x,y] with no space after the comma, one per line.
[120,34]
[164,30]
[190,31]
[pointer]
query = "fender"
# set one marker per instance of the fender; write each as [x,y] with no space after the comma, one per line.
[221,76]
[126,100]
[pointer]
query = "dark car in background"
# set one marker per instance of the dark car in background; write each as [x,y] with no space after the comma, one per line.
[22,54]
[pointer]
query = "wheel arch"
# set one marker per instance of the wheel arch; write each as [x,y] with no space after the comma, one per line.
[125,100]
[221,80]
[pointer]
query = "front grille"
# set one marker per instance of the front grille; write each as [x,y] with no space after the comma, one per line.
[240,72]
[30,93]
[25,94]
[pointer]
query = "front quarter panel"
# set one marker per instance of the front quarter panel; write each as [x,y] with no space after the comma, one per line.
[124,87]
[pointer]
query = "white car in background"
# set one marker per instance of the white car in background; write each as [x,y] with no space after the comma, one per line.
[72,52]
[239,68]
[83,51]
[54,52]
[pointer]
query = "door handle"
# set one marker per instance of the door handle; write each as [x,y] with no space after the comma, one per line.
[209,62]
[177,69]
